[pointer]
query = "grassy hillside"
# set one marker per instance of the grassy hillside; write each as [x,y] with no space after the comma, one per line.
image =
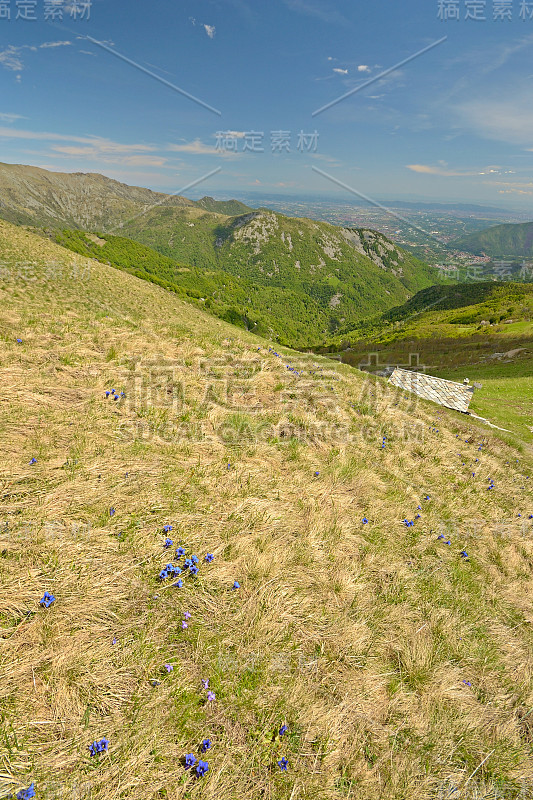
[512,240]
[457,312]
[395,667]
[482,331]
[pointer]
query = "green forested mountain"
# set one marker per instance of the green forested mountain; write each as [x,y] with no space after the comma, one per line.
[289,311]
[295,301]
[513,240]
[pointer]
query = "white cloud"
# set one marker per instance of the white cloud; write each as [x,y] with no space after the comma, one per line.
[55,44]
[442,171]
[198,148]
[363,68]
[104,145]
[340,71]
[507,120]
[234,134]
[5,117]
[210,30]
[11,56]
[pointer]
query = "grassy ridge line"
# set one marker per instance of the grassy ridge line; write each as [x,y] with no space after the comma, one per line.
[458,311]
[357,636]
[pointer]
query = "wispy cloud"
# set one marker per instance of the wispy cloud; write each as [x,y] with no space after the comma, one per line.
[210,30]
[55,44]
[508,119]
[5,117]
[11,56]
[363,68]
[340,71]
[199,148]
[442,170]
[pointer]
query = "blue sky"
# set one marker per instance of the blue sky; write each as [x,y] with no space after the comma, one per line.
[453,123]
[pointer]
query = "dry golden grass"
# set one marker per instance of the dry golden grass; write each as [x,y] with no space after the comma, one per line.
[358,636]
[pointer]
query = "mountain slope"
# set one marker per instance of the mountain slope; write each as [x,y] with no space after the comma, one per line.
[90,201]
[350,273]
[338,274]
[512,240]
[279,313]
[399,668]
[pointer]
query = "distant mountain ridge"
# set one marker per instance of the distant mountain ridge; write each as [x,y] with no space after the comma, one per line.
[35,196]
[512,240]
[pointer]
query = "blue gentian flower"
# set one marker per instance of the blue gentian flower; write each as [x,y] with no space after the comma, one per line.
[26,794]
[180,552]
[209,557]
[283,764]
[190,760]
[19,341]
[202,768]
[283,730]
[33,460]
[205,683]
[46,600]
[111,511]
[179,584]
[206,744]
[211,696]
[317,474]
[169,667]
[464,554]
[187,563]
[167,528]
[114,640]
[467,683]
[364,520]
[99,747]
[163,574]
[194,559]
[184,625]
[187,615]
[193,570]
[168,542]
[236,585]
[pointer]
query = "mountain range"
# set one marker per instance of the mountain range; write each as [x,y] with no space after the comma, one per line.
[293,279]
